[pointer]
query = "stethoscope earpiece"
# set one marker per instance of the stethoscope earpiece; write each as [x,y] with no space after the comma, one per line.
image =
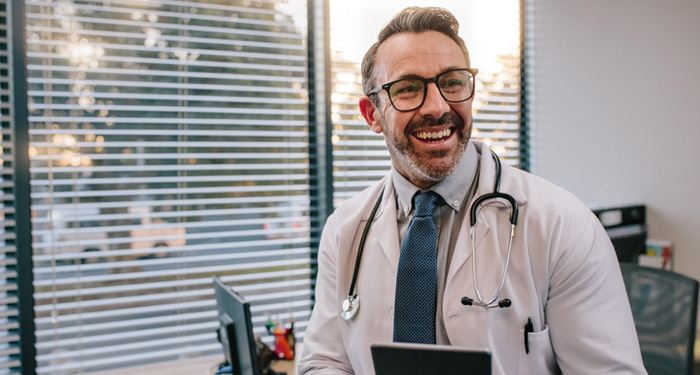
[466,301]
[504,303]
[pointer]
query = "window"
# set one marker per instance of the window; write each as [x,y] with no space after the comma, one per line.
[168,143]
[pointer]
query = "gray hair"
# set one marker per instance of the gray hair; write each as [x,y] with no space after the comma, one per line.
[412,20]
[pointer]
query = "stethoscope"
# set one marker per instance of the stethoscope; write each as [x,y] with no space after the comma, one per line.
[351,304]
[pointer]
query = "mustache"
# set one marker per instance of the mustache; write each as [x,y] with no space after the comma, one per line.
[449,118]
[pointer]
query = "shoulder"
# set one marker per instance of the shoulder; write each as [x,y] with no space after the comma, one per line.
[561,228]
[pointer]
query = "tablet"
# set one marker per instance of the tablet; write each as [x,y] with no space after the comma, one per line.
[422,359]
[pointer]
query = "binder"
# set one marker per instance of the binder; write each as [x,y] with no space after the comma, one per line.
[627,229]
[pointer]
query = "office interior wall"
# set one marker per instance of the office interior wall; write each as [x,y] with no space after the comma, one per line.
[616,109]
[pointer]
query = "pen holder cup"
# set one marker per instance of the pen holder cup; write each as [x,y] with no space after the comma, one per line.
[284,349]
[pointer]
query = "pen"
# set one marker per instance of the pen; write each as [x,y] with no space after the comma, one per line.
[528,328]
[269,325]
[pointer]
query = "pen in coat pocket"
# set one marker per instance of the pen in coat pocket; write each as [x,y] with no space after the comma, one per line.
[528,328]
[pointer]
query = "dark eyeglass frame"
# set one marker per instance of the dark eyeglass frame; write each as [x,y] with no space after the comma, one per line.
[426,81]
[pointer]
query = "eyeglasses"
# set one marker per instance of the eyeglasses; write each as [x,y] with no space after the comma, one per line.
[408,94]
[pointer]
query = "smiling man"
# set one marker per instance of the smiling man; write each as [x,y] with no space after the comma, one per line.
[398,262]
[432,122]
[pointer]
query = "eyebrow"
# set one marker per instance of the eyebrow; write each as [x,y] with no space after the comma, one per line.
[410,75]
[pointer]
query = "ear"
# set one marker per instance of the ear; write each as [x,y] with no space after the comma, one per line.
[369,112]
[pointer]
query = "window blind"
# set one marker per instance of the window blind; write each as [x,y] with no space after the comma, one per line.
[360,156]
[168,143]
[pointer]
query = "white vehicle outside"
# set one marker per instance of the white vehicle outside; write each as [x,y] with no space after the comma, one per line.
[64,233]
[154,233]
[69,233]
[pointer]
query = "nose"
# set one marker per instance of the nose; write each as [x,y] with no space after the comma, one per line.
[434,104]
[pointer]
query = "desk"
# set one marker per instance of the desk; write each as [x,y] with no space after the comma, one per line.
[206,365]
[285,366]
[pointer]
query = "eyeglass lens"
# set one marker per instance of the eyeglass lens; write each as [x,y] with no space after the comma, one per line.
[408,94]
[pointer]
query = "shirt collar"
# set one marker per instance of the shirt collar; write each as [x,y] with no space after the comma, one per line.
[453,189]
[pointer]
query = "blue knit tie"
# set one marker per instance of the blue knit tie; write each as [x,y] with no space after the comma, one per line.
[416,279]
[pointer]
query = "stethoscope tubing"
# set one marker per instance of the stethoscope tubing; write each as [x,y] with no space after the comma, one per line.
[513,222]
[492,302]
[351,304]
[361,246]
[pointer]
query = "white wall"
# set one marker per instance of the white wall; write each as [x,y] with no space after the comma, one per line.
[616,109]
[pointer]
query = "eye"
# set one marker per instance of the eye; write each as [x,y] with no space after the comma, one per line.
[452,82]
[406,87]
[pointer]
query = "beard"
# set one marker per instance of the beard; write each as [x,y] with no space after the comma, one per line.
[437,164]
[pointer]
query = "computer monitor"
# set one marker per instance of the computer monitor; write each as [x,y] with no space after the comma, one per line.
[236,330]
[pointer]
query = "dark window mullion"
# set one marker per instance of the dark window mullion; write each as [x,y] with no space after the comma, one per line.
[20,164]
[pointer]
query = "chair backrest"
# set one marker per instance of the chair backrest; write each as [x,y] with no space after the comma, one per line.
[664,305]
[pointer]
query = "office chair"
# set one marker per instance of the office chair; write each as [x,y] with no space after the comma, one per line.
[664,305]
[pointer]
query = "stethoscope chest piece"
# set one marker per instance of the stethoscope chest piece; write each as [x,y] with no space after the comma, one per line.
[350,307]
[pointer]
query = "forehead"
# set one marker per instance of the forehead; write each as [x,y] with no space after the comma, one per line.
[425,54]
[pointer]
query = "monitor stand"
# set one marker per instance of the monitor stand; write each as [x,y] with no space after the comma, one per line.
[233,349]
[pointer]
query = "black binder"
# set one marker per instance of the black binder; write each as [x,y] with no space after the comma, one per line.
[627,229]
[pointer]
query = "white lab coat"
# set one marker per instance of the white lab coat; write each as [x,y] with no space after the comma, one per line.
[563,274]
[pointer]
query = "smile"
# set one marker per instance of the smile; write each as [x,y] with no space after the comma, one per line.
[434,136]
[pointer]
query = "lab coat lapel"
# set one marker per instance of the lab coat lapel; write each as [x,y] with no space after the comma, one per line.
[386,234]
[463,247]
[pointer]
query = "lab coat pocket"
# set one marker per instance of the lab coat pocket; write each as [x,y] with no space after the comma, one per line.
[539,359]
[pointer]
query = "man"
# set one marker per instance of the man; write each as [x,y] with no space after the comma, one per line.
[563,282]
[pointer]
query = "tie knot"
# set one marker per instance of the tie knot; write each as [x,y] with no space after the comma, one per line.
[425,203]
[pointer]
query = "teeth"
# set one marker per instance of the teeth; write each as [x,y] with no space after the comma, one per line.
[434,135]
